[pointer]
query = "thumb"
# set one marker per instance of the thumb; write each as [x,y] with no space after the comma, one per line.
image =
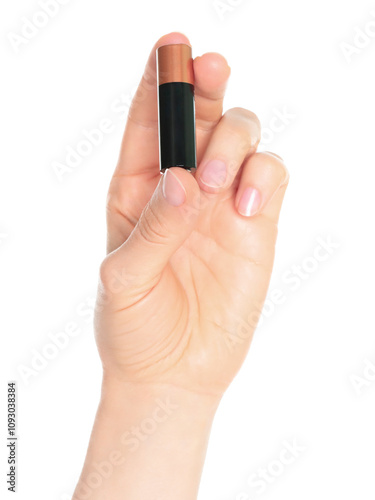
[165,223]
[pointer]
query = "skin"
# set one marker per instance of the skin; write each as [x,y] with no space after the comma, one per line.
[180,290]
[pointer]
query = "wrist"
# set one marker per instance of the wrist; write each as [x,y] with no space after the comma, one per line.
[160,402]
[148,441]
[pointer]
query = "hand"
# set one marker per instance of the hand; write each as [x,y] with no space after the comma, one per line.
[189,262]
[190,255]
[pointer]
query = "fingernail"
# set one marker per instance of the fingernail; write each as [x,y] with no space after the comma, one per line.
[173,191]
[249,202]
[214,174]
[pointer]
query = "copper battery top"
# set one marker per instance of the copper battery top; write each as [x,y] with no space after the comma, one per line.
[174,64]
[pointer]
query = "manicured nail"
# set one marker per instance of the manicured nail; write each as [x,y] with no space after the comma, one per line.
[249,202]
[173,191]
[214,174]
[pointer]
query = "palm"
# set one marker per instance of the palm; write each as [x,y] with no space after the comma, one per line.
[219,275]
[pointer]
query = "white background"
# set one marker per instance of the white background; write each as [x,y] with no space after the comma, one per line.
[297,383]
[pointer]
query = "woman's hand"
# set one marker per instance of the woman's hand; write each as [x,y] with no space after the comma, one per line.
[190,256]
[188,265]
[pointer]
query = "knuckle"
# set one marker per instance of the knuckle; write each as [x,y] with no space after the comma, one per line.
[278,166]
[243,115]
[151,228]
[106,271]
[114,275]
[245,124]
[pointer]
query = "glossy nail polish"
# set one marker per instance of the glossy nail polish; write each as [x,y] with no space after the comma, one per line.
[249,202]
[173,191]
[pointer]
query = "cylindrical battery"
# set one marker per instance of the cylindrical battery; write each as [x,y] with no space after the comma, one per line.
[176,109]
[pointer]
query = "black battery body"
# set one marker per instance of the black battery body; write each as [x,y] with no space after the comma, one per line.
[177,125]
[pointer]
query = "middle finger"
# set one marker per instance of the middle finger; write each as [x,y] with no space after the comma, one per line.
[235,137]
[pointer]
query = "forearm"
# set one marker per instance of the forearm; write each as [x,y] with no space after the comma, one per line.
[147,442]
